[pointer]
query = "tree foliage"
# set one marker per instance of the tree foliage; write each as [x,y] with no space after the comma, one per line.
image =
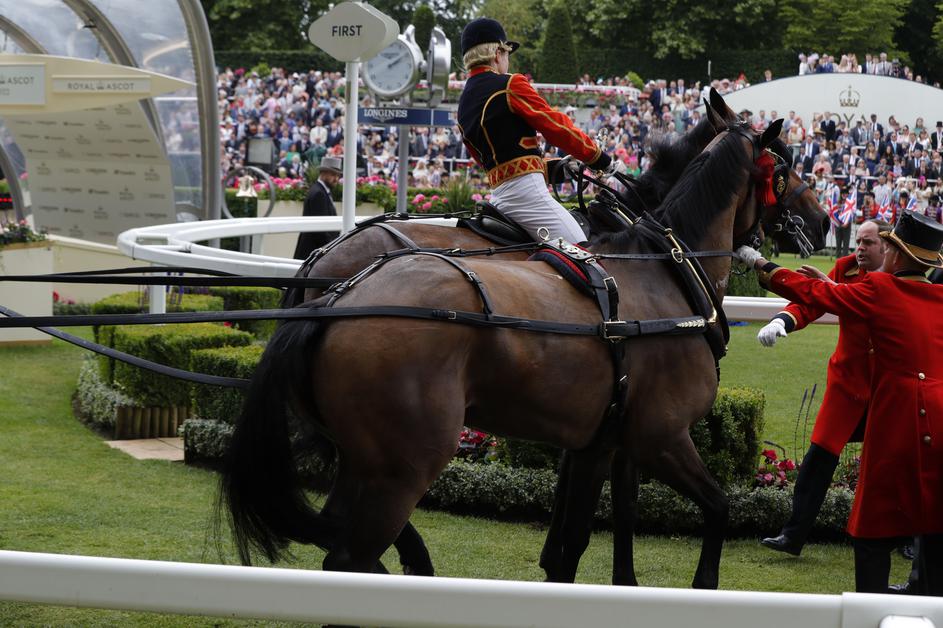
[557,62]
[261,24]
[523,21]
[837,27]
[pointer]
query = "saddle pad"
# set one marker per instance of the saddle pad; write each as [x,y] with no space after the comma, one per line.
[567,268]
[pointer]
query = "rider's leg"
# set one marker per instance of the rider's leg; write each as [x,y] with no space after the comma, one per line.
[526,201]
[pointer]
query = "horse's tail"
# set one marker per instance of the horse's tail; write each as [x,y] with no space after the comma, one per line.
[260,487]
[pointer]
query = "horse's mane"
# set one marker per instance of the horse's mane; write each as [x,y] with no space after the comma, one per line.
[669,158]
[706,186]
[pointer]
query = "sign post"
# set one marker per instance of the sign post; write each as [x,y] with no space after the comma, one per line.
[352,32]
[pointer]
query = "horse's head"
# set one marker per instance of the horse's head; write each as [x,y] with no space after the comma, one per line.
[787,209]
[795,220]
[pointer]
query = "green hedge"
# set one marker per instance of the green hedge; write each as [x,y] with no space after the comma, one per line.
[503,491]
[134,303]
[213,403]
[171,346]
[249,298]
[743,282]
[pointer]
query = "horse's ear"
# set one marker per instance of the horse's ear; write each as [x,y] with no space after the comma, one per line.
[716,121]
[721,107]
[771,133]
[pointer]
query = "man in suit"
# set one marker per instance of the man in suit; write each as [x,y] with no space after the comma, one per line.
[828,126]
[808,151]
[318,202]
[901,479]
[936,138]
[846,394]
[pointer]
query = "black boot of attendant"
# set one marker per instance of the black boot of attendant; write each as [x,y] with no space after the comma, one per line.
[815,476]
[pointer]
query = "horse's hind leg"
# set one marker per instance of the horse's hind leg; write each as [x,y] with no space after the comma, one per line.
[680,467]
[413,554]
[583,476]
[623,484]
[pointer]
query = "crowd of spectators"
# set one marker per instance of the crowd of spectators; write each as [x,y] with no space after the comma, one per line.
[877,64]
[885,163]
[302,116]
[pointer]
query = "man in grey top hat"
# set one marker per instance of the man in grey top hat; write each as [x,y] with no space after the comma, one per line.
[318,202]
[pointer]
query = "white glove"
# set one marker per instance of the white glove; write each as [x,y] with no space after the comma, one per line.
[572,165]
[748,255]
[774,329]
[616,165]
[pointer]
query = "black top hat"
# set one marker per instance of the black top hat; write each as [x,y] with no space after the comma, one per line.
[484,30]
[919,237]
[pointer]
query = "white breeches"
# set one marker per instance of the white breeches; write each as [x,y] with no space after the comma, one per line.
[527,201]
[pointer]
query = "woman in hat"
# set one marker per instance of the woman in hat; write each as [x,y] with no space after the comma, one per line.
[499,115]
[901,481]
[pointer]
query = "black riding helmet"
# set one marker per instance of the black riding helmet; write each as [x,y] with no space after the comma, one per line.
[484,30]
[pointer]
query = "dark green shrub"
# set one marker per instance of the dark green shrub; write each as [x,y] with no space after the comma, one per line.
[250,298]
[135,303]
[424,21]
[71,309]
[205,441]
[728,439]
[170,345]
[558,62]
[215,403]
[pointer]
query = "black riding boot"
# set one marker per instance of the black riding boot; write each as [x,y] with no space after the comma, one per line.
[815,476]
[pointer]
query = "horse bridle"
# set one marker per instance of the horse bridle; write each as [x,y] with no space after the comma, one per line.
[785,220]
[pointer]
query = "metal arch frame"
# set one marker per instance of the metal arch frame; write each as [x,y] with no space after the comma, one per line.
[117,50]
[25,41]
[204,64]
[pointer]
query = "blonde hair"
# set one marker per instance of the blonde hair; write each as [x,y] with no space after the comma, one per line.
[482,54]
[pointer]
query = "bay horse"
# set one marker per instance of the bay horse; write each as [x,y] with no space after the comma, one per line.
[352,254]
[401,389]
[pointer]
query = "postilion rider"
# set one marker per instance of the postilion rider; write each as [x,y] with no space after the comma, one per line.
[499,115]
[900,488]
[846,395]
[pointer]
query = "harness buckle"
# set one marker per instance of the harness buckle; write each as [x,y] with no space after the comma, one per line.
[677,255]
[613,337]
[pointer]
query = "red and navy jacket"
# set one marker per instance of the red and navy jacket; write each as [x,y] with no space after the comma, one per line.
[499,116]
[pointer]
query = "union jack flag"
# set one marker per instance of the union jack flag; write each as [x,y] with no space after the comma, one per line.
[885,212]
[912,203]
[841,214]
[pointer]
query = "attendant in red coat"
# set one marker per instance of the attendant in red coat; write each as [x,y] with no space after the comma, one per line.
[900,489]
[846,395]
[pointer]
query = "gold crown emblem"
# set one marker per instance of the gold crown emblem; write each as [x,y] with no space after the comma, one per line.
[780,185]
[849,98]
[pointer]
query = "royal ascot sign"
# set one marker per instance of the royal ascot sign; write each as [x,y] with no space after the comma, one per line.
[353,31]
[23,84]
[99,85]
[96,165]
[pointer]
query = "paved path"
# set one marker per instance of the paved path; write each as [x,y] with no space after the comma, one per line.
[151,448]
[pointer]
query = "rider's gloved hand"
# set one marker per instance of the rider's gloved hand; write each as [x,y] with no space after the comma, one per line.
[748,255]
[774,329]
[602,162]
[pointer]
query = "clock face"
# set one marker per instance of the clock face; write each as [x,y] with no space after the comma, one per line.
[392,72]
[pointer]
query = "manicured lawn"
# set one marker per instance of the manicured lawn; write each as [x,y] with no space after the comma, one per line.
[63,490]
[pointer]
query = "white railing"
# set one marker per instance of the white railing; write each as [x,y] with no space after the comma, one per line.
[176,245]
[370,599]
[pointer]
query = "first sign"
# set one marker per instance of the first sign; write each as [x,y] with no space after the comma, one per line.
[353,31]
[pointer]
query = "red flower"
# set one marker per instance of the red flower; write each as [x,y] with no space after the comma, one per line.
[770,455]
[55,296]
[787,465]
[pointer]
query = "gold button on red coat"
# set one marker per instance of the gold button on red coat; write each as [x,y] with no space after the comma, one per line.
[921,376]
[926,439]
[923,412]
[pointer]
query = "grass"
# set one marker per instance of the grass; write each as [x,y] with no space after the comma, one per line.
[65,491]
